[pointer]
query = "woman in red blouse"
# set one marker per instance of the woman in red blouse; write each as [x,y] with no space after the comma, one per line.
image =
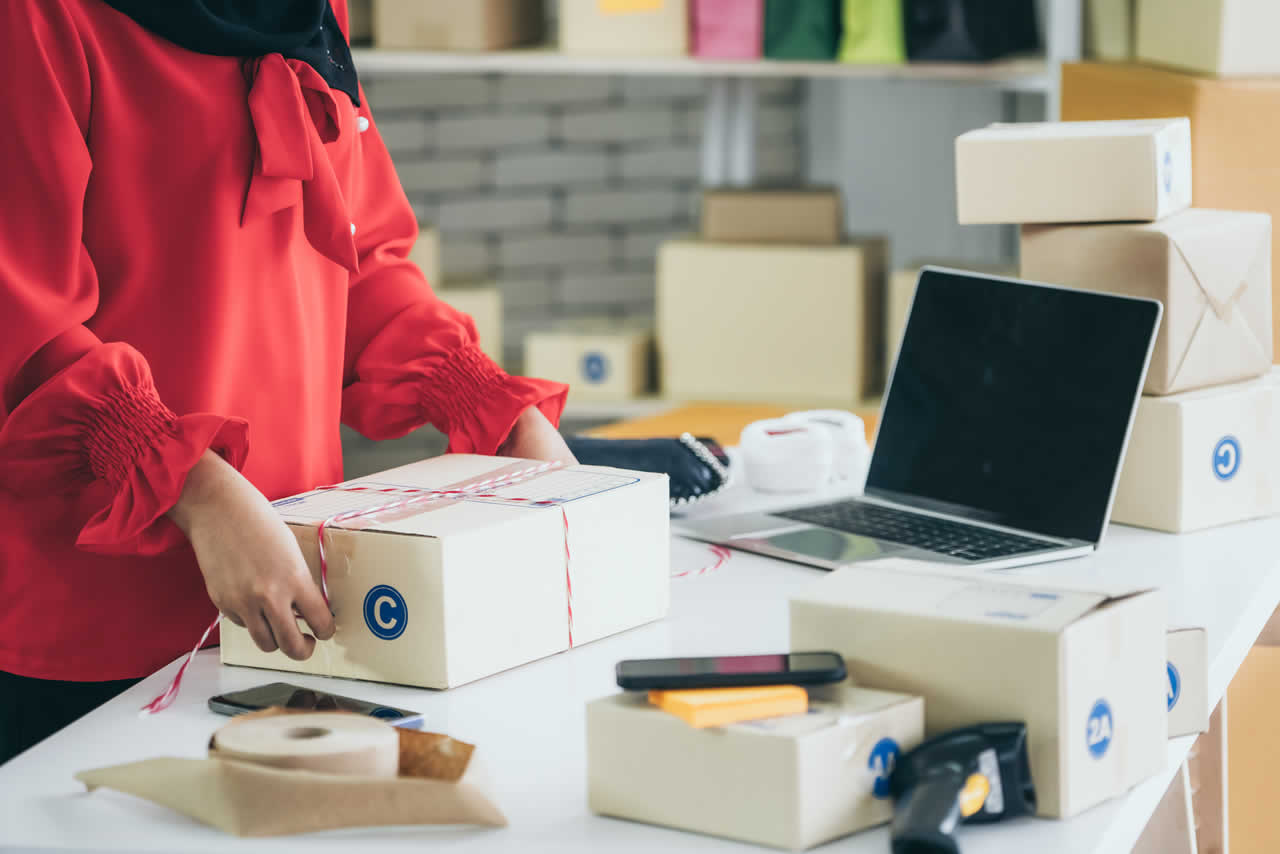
[203,270]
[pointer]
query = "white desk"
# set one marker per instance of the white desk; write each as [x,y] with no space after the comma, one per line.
[529,722]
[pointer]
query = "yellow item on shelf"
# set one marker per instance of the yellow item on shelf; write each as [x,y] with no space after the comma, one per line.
[708,707]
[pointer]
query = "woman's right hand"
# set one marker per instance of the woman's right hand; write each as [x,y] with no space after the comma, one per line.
[252,567]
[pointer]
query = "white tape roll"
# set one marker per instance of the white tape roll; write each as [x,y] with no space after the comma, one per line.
[787,456]
[849,438]
[328,743]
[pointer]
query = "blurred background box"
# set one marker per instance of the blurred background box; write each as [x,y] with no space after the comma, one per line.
[484,305]
[805,216]
[426,254]
[796,325]
[1212,36]
[600,359]
[445,25]
[872,32]
[969,30]
[635,27]
[802,29]
[727,29]
[1235,130]
[1109,29]
[360,21]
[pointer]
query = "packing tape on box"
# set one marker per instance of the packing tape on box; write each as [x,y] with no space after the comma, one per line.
[851,452]
[783,455]
[326,743]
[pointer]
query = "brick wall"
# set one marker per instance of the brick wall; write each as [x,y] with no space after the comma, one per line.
[559,189]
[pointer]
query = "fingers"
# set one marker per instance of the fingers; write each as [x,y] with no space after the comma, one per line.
[260,631]
[284,627]
[311,605]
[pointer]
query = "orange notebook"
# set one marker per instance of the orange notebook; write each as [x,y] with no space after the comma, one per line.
[708,707]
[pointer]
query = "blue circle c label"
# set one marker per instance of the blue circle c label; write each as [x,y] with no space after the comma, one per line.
[883,759]
[385,612]
[595,367]
[1099,730]
[1174,689]
[1226,458]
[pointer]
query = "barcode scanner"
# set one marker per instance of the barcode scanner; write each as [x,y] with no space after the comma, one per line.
[978,774]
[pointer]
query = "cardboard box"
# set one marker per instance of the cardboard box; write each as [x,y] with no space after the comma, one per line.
[359,21]
[786,325]
[1210,269]
[1253,747]
[811,217]
[599,361]
[1083,667]
[792,782]
[1109,29]
[1187,681]
[1074,172]
[484,306]
[1202,458]
[426,254]
[634,27]
[1235,130]
[444,25]
[451,590]
[1212,36]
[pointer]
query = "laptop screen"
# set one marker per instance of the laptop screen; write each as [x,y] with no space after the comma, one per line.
[1011,402]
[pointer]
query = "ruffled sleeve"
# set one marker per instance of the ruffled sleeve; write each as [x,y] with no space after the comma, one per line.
[411,359]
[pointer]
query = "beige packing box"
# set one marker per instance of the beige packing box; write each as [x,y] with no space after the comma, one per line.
[810,217]
[599,360]
[426,254]
[1187,682]
[1235,37]
[463,589]
[787,325]
[1109,29]
[791,782]
[1074,171]
[1083,667]
[1211,269]
[636,27]
[360,21]
[1202,458]
[449,25]
[484,306]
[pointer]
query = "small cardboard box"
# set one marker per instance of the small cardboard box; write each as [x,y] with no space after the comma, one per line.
[449,26]
[450,590]
[360,21]
[1202,458]
[1083,667]
[809,217]
[484,306]
[599,361]
[1211,269]
[788,325]
[426,254]
[791,782]
[1187,678]
[1074,172]
[635,27]
[1210,36]
[1109,29]
[1235,131]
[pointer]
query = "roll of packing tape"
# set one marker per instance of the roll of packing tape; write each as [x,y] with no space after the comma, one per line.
[852,453]
[350,745]
[787,456]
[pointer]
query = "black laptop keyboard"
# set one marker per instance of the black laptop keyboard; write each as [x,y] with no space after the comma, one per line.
[967,542]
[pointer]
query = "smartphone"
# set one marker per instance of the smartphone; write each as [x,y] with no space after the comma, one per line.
[293,697]
[669,674]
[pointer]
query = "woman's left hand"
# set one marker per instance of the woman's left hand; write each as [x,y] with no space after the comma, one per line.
[535,438]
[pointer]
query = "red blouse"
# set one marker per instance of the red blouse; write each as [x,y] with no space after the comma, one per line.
[195,252]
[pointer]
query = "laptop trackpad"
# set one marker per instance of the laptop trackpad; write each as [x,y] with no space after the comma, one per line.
[825,544]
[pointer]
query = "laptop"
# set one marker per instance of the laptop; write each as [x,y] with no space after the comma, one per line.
[1001,434]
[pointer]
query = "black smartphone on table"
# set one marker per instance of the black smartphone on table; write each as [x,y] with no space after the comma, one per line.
[731,671]
[294,697]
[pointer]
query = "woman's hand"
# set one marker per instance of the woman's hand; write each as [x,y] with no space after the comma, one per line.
[252,567]
[534,438]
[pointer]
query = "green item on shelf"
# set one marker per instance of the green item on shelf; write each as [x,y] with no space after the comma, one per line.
[801,29]
[873,32]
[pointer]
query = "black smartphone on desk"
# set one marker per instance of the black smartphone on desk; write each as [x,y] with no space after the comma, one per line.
[731,671]
[294,697]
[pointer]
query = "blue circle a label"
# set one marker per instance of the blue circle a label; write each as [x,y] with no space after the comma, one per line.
[1174,689]
[1226,458]
[595,367]
[883,759]
[385,612]
[1100,729]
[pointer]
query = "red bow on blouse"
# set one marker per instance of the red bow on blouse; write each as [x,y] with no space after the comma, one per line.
[294,114]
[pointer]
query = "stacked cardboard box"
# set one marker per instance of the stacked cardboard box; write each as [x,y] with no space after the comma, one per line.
[599,358]
[480,301]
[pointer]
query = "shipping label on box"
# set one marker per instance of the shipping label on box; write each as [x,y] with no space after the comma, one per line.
[791,782]
[1084,669]
[1211,36]
[1187,677]
[804,217]
[634,27]
[1202,458]
[484,306]
[599,364]
[1074,172]
[1210,269]
[517,562]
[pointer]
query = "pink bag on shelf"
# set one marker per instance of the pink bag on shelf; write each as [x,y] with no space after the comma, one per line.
[727,29]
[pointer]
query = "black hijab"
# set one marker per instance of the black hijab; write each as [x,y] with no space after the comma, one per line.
[298,29]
